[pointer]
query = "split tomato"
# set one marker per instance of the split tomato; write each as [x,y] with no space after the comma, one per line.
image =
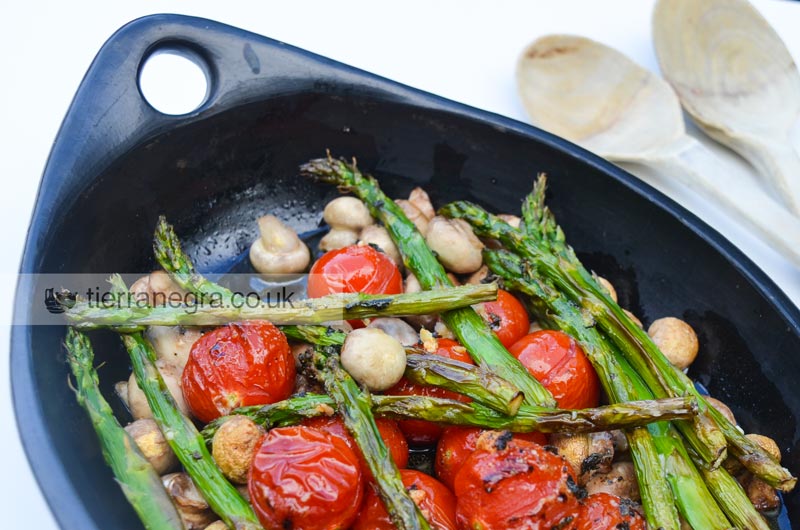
[354,269]
[603,511]
[558,362]
[390,433]
[506,316]
[509,483]
[422,432]
[433,498]
[456,445]
[237,365]
[304,478]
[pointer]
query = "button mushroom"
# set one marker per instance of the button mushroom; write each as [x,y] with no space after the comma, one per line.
[605,284]
[397,328]
[192,507]
[338,238]
[379,237]
[419,198]
[374,358]
[454,243]
[511,219]
[347,212]
[587,453]
[158,289]
[633,318]
[676,339]
[153,445]
[414,215]
[234,445]
[173,343]
[722,408]
[620,481]
[217,525]
[137,402]
[278,250]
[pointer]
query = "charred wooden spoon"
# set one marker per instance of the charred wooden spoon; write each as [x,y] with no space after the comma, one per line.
[597,97]
[736,78]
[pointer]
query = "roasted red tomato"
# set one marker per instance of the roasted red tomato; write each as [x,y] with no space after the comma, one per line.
[422,432]
[237,365]
[304,478]
[603,511]
[456,445]
[354,269]
[509,483]
[390,432]
[558,362]
[506,316]
[434,499]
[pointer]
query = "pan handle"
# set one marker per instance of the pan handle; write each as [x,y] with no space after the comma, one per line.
[109,115]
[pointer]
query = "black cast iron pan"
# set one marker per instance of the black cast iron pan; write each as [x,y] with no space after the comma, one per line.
[117,164]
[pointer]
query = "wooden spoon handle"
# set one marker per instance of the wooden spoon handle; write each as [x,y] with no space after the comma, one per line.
[777,160]
[694,166]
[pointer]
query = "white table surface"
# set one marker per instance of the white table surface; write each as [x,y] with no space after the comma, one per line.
[464,50]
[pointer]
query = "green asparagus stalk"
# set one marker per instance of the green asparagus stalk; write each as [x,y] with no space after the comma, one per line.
[139,481]
[447,411]
[733,500]
[355,407]
[129,317]
[621,383]
[475,382]
[549,266]
[465,323]
[645,356]
[182,435]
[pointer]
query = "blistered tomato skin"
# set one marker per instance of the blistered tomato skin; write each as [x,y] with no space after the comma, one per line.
[507,317]
[390,433]
[435,501]
[456,445]
[603,511]
[237,365]
[420,432]
[559,363]
[515,484]
[305,479]
[354,269]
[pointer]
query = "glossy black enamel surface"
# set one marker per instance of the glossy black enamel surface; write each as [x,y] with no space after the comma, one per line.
[117,164]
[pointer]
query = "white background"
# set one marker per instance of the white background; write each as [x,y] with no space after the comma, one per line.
[464,50]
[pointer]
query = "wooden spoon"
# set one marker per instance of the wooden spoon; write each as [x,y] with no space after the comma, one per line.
[736,78]
[595,96]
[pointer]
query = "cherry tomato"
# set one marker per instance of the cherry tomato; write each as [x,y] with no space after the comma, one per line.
[603,511]
[558,362]
[509,483]
[456,445]
[304,478]
[390,432]
[434,499]
[506,316]
[237,365]
[354,269]
[421,432]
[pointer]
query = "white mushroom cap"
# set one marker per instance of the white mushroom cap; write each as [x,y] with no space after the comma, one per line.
[608,286]
[379,236]
[414,215]
[511,219]
[338,238]
[173,343]
[278,250]
[137,402]
[153,445]
[397,328]
[347,212]
[419,198]
[676,339]
[374,358]
[454,243]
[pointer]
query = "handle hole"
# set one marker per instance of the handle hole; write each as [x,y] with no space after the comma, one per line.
[174,81]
